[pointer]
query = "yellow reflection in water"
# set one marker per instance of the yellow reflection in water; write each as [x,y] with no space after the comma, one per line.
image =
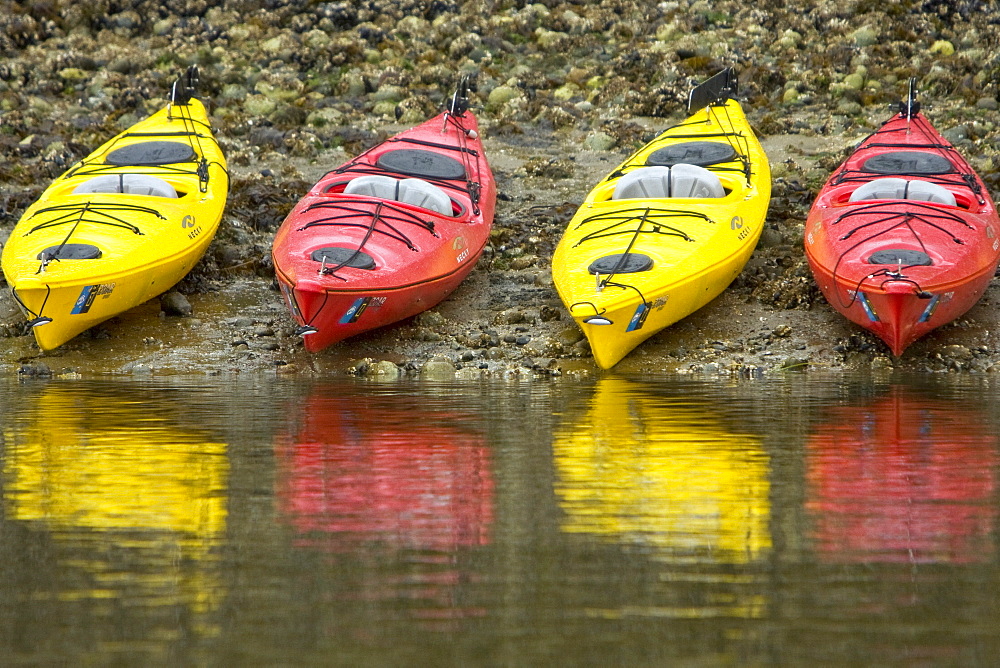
[104,470]
[658,471]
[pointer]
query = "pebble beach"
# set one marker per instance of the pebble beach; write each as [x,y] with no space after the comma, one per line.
[565,92]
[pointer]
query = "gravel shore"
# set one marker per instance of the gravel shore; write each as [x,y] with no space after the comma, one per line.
[565,92]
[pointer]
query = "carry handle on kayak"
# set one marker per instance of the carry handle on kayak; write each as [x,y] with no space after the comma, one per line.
[716,89]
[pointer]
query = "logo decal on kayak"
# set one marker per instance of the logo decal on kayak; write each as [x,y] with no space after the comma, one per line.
[459,244]
[359,306]
[942,298]
[929,311]
[89,294]
[638,318]
[867,307]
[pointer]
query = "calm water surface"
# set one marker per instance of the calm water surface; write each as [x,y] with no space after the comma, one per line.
[803,520]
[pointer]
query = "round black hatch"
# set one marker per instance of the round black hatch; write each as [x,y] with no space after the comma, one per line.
[334,256]
[627,263]
[908,162]
[900,256]
[417,162]
[701,153]
[71,252]
[151,153]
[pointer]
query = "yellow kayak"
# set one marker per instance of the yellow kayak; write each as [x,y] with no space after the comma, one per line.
[638,467]
[669,229]
[121,226]
[129,471]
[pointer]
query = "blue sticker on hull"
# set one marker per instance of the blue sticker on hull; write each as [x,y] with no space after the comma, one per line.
[929,311]
[85,300]
[353,313]
[89,294]
[869,311]
[638,318]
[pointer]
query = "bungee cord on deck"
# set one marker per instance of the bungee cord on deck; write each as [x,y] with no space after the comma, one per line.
[349,210]
[651,215]
[73,213]
[905,219]
[961,175]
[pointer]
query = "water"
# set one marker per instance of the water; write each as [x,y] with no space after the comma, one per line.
[799,520]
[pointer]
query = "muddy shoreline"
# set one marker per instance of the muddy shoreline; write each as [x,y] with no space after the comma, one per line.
[565,94]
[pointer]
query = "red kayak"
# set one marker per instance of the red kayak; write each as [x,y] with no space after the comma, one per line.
[384,469]
[390,233]
[903,237]
[903,479]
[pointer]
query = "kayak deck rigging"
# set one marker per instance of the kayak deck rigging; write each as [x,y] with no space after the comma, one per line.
[959,175]
[75,213]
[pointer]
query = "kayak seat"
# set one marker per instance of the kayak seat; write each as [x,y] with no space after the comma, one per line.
[127,184]
[893,188]
[411,191]
[681,180]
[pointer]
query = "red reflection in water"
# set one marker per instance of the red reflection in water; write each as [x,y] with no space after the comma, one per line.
[374,470]
[902,479]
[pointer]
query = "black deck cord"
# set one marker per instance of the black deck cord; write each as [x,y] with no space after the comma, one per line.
[98,209]
[907,216]
[889,215]
[472,186]
[17,298]
[946,151]
[626,286]
[624,256]
[396,234]
[376,216]
[55,256]
[624,218]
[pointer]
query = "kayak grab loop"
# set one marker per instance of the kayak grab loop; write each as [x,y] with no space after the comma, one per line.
[597,318]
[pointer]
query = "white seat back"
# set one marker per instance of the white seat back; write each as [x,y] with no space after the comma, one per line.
[895,188]
[694,181]
[681,180]
[128,184]
[373,185]
[411,191]
[427,195]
